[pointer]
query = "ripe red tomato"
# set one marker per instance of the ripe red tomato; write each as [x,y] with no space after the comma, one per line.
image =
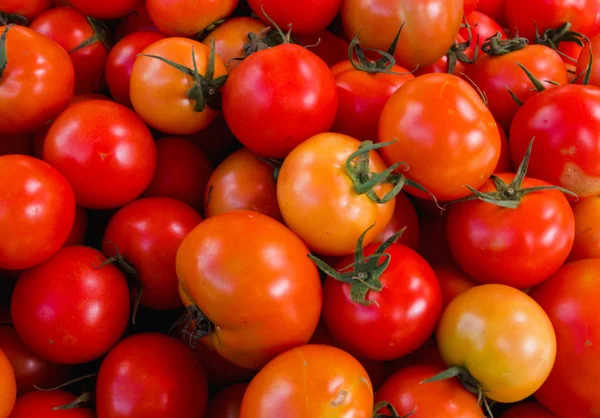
[104,150]
[492,8]
[16,144]
[136,21]
[37,82]
[319,381]
[530,409]
[453,282]
[182,172]
[587,229]
[304,17]
[8,395]
[177,387]
[405,216]
[37,210]
[483,27]
[26,8]
[420,115]
[325,45]
[108,9]
[227,403]
[69,309]
[470,6]
[570,300]
[79,230]
[584,61]
[41,404]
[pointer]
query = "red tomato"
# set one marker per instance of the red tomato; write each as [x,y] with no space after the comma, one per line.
[405,216]
[254,89]
[325,45]
[37,82]
[305,17]
[530,409]
[492,8]
[587,229]
[26,8]
[505,162]
[119,63]
[453,282]
[177,387]
[69,310]
[16,144]
[470,6]
[80,225]
[483,28]
[584,61]
[37,210]
[136,21]
[8,394]
[107,9]
[104,150]
[570,300]
[147,234]
[227,403]
[41,404]
[182,172]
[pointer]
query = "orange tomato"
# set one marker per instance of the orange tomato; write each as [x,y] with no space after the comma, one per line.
[8,394]
[587,229]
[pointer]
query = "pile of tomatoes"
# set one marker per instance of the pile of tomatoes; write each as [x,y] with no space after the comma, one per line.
[299,209]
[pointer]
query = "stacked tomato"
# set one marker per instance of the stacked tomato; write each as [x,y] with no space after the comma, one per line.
[299,209]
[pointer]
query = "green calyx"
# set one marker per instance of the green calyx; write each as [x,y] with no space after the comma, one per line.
[495,45]
[457,53]
[13,18]
[537,84]
[3,53]
[587,73]
[553,37]
[100,35]
[207,30]
[202,326]
[205,89]
[392,412]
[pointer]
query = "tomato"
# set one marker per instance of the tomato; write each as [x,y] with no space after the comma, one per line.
[470,6]
[327,46]
[182,172]
[30,370]
[37,210]
[316,195]
[570,300]
[505,162]
[253,92]
[446,398]
[108,9]
[420,116]
[242,181]
[405,216]
[70,309]
[483,27]
[147,234]
[104,150]
[227,403]
[177,389]
[41,404]
[529,409]
[8,394]
[159,91]
[80,225]
[453,282]
[119,64]
[558,118]
[37,82]
[16,144]
[136,21]
[587,229]
[320,382]
[492,8]
[494,331]
[26,8]
[434,23]
[584,61]
[188,18]
[456,59]
[218,271]
[302,16]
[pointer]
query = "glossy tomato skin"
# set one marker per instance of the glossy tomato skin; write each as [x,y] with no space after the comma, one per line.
[227,403]
[470,6]
[79,230]
[8,395]
[587,229]
[34,235]
[453,282]
[177,389]
[434,23]
[570,300]
[483,27]
[362,96]
[584,61]
[405,216]
[69,311]
[120,60]
[327,46]
[147,233]
[313,185]
[530,409]
[496,331]
[320,381]
[259,119]
[305,17]
[40,405]
[445,145]
[158,91]
[26,8]
[110,9]
[558,118]
[446,398]
[104,150]
[218,271]
[37,83]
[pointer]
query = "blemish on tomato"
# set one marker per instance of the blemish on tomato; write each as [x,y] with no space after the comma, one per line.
[340,398]
[574,179]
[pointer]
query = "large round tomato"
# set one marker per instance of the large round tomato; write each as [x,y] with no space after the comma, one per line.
[453,282]
[37,210]
[253,105]
[482,28]
[584,61]
[251,278]
[320,382]
[37,82]
[530,409]
[169,99]
[106,9]
[227,403]
[587,229]
[104,150]
[8,395]
[433,23]
[162,377]
[444,133]
[501,337]
[41,404]
[71,309]
[302,16]
[26,8]
[405,216]
[570,299]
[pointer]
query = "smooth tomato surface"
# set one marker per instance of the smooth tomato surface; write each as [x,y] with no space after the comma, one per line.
[302,16]
[8,395]
[587,229]
[27,8]
[40,405]
[108,9]
[453,282]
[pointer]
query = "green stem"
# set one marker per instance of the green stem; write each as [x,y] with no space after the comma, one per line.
[100,35]
[495,45]
[3,53]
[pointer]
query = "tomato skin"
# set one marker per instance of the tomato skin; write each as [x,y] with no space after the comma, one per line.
[26,8]
[79,230]
[587,229]
[120,60]
[37,83]
[492,8]
[253,90]
[453,282]
[584,61]
[40,404]
[104,150]
[182,172]
[434,23]
[446,398]
[320,381]
[178,388]
[147,233]
[558,118]
[90,304]
[508,334]
[529,409]
[227,403]
[483,28]
[109,9]
[306,17]
[470,6]
[435,159]
[8,395]
[327,46]
[136,21]
[217,271]
[313,184]
[404,215]
[570,300]
[37,235]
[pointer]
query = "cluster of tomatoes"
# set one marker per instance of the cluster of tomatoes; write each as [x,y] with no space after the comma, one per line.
[299,209]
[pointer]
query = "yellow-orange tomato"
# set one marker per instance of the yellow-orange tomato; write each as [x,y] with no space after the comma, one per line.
[587,229]
[502,337]
[312,381]
[8,386]
[159,91]
[317,199]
